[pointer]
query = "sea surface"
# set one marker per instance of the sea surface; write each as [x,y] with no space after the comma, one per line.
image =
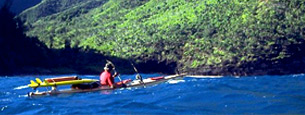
[225,95]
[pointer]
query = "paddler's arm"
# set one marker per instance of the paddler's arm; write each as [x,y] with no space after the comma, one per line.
[111,82]
[115,74]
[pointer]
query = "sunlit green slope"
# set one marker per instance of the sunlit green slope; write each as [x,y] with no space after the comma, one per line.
[201,36]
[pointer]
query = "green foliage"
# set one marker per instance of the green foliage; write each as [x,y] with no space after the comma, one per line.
[192,32]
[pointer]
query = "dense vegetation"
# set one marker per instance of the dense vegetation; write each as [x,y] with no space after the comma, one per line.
[20,54]
[232,37]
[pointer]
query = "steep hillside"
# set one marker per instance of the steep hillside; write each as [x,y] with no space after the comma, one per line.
[236,37]
[53,7]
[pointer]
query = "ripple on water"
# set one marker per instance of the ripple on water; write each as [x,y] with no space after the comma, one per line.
[3,108]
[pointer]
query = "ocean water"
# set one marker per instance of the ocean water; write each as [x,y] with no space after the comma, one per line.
[225,95]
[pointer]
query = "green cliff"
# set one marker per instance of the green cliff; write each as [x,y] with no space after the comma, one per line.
[231,37]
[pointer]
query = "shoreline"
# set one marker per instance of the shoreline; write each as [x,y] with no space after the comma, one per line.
[37,71]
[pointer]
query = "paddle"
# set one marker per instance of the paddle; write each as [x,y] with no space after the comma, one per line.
[138,76]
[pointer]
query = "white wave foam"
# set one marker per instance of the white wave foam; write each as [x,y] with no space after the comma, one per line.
[298,75]
[22,95]
[3,108]
[21,87]
[203,76]
[175,81]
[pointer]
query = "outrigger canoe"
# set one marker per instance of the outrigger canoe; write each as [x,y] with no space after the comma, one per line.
[127,84]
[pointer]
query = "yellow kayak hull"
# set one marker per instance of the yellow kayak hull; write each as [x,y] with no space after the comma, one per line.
[70,82]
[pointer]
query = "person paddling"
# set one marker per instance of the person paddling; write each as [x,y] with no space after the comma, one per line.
[106,78]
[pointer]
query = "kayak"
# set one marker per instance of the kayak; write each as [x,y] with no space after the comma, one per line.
[122,84]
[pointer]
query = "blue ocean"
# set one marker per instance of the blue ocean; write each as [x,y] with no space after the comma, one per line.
[224,95]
